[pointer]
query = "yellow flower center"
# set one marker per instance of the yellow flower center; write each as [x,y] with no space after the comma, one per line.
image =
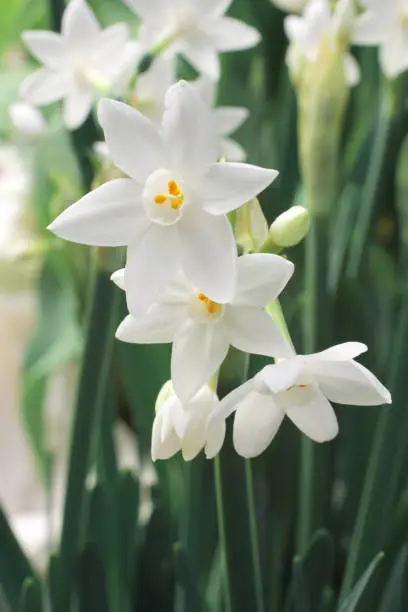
[213,308]
[173,198]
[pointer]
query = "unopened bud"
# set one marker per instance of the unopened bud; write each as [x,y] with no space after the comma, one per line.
[251,227]
[165,393]
[290,227]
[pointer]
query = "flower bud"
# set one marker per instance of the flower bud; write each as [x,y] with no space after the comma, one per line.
[290,227]
[165,393]
[251,227]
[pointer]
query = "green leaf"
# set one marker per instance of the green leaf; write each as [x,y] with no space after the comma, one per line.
[186,578]
[92,585]
[31,596]
[312,574]
[55,340]
[14,566]
[350,602]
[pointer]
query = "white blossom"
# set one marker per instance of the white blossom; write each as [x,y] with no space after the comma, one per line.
[187,426]
[301,387]
[385,24]
[317,25]
[76,63]
[202,330]
[171,213]
[27,119]
[196,28]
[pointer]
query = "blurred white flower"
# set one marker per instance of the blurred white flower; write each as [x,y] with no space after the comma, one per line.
[77,63]
[171,213]
[151,87]
[202,330]
[290,6]
[15,182]
[318,25]
[27,119]
[196,28]
[227,120]
[301,388]
[385,24]
[187,427]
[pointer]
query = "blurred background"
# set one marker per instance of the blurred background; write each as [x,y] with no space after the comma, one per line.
[318,530]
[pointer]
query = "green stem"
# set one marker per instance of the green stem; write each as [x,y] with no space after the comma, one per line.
[226,579]
[91,393]
[253,528]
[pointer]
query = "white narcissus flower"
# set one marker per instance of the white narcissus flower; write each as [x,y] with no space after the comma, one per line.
[300,387]
[318,24]
[385,24]
[77,62]
[227,120]
[27,119]
[202,330]
[171,213]
[150,90]
[187,427]
[196,28]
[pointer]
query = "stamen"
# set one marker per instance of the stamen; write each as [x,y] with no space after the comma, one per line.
[175,198]
[160,198]
[174,189]
[212,307]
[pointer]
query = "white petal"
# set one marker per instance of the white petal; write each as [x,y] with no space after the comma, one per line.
[198,350]
[146,10]
[256,423]
[230,118]
[208,253]
[253,331]
[133,142]
[352,70]
[394,54]
[27,119]
[261,278]
[215,438]
[227,185]
[348,382]
[79,24]
[77,106]
[110,49]
[229,34]
[282,375]
[189,131]
[47,47]
[206,89]
[193,442]
[370,28]
[167,448]
[317,420]
[203,58]
[232,150]
[118,278]
[152,261]
[108,216]
[339,352]
[158,325]
[295,29]
[44,87]
[215,8]
[231,401]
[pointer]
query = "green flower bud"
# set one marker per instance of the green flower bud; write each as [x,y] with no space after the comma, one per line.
[290,227]
[251,227]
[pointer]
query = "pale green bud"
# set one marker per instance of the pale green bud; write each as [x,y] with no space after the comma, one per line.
[251,227]
[165,393]
[290,227]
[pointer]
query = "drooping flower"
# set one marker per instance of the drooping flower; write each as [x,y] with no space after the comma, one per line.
[300,387]
[227,120]
[186,427]
[385,24]
[77,63]
[171,213]
[202,330]
[196,28]
[316,26]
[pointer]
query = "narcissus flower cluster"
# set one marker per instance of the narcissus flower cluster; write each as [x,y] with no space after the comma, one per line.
[186,283]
